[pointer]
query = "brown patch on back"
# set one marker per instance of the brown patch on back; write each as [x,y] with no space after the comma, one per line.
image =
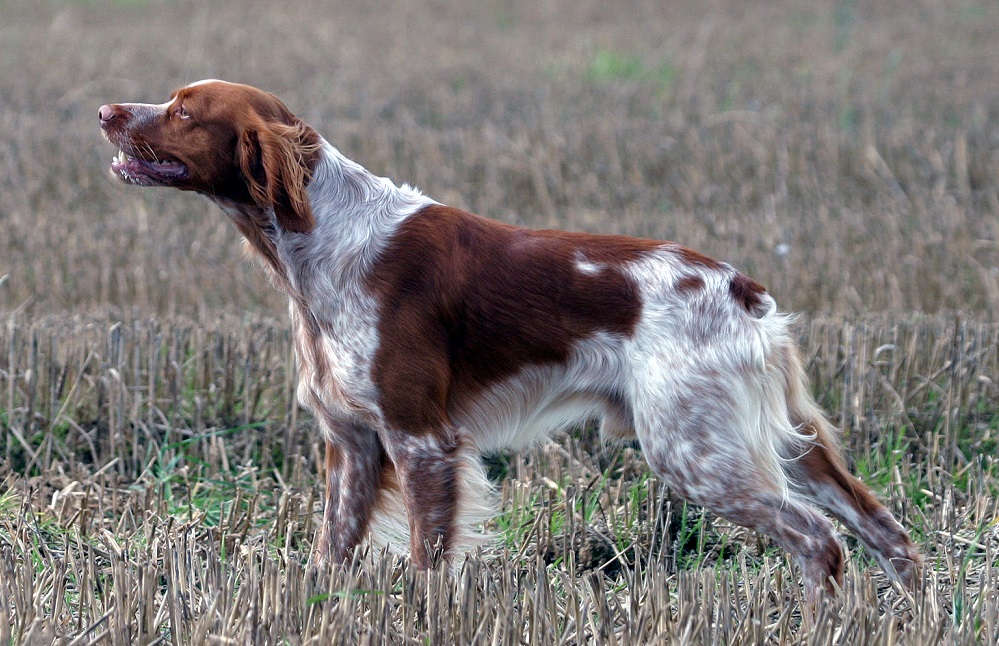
[696,258]
[689,284]
[747,292]
[468,302]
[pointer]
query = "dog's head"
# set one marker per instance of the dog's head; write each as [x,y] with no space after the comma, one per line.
[229,141]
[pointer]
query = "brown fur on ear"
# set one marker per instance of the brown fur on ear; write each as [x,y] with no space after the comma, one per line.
[274,159]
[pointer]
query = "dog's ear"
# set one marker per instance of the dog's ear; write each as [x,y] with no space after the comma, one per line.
[273,158]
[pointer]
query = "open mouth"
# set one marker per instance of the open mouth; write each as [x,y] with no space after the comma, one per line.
[143,172]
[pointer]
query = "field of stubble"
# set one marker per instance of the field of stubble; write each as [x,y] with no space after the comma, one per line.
[158,483]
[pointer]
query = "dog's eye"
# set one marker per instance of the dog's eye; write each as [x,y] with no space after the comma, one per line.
[181,112]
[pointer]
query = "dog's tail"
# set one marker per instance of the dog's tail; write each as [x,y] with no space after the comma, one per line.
[776,417]
[783,419]
[790,422]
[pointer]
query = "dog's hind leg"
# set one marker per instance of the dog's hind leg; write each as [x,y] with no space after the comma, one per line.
[818,472]
[821,475]
[733,487]
[718,442]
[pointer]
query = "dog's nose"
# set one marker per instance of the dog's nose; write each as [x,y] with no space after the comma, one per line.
[107,113]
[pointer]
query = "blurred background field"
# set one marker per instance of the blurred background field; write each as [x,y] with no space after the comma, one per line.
[158,483]
[843,153]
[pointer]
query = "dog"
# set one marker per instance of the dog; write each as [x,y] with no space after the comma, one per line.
[426,335]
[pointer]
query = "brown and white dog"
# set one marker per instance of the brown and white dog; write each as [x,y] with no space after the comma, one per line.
[426,335]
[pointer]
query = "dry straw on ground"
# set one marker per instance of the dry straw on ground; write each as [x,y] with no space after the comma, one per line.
[170,495]
[158,481]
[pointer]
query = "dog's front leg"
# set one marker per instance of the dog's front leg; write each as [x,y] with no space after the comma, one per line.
[427,467]
[354,458]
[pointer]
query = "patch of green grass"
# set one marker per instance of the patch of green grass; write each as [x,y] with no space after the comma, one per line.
[520,515]
[608,66]
[10,502]
[177,471]
[973,13]
[844,15]
[691,538]
[878,467]
[126,3]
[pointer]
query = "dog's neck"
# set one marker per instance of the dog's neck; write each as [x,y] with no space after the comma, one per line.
[356,214]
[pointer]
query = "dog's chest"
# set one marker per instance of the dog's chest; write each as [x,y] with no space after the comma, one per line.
[335,343]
